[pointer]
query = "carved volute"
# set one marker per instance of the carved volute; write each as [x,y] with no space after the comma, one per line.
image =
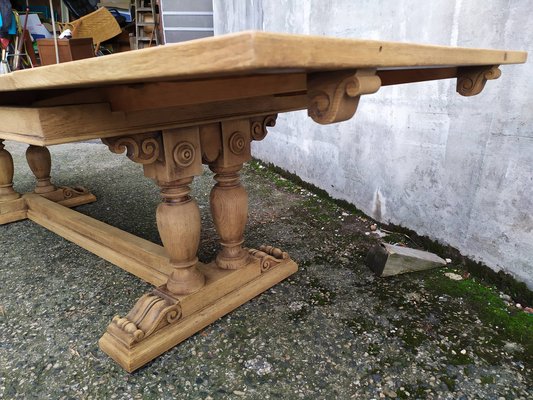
[472,80]
[334,96]
[259,126]
[269,257]
[152,312]
[141,148]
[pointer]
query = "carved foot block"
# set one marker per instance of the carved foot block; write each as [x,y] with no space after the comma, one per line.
[70,196]
[160,320]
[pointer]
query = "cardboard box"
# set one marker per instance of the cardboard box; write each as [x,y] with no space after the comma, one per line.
[69,50]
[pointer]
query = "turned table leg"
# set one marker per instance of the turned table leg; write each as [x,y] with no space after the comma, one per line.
[172,158]
[7,192]
[178,221]
[12,206]
[40,164]
[229,208]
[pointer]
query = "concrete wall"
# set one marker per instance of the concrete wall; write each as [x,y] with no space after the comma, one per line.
[457,169]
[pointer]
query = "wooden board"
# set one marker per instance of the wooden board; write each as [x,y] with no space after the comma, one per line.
[16,210]
[248,53]
[12,210]
[43,126]
[140,257]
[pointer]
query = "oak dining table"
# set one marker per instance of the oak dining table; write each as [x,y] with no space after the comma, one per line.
[174,108]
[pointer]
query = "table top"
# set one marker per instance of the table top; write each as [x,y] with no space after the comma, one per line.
[241,75]
[248,53]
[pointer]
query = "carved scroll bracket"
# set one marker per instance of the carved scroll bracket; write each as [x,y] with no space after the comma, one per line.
[334,96]
[269,257]
[259,126]
[152,312]
[472,80]
[74,191]
[167,155]
[70,196]
[144,148]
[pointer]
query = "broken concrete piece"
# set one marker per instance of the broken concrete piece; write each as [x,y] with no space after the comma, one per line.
[387,260]
[453,276]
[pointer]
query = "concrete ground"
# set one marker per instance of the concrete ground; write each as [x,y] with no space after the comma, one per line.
[332,330]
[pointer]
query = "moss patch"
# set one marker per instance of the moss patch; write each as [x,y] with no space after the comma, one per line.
[502,280]
[511,325]
[319,294]
[441,302]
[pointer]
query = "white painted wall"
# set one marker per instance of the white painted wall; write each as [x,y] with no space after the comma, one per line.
[457,169]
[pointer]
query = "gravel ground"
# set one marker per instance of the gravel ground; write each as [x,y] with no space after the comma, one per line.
[332,330]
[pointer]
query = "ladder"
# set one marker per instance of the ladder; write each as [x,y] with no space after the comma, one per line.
[146,24]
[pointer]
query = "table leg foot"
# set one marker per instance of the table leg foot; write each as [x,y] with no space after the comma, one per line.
[70,196]
[160,320]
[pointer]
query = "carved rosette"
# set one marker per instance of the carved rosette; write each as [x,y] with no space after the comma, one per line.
[269,257]
[259,127]
[334,96]
[184,154]
[151,313]
[142,148]
[472,80]
[237,142]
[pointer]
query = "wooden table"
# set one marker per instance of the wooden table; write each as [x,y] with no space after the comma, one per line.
[173,108]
